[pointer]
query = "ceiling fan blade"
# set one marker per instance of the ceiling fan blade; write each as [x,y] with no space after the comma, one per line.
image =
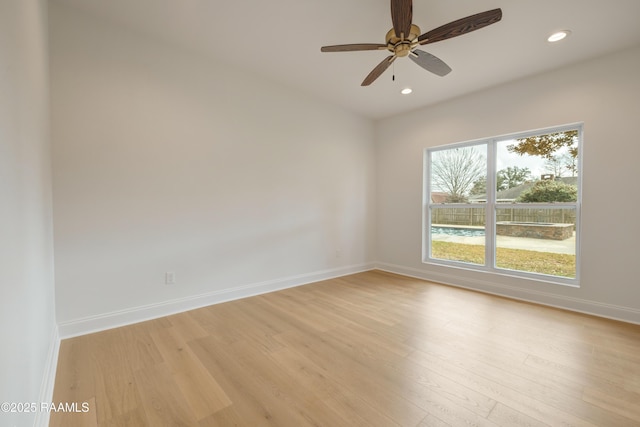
[353,47]
[461,26]
[377,72]
[430,62]
[402,15]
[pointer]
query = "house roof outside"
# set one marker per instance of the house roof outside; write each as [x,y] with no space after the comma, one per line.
[438,197]
[511,194]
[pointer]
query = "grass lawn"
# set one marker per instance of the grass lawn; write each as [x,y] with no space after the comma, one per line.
[512,259]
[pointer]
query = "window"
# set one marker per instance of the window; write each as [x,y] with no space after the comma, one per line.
[508,205]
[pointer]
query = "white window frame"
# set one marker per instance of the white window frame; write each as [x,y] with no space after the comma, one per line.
[491,207]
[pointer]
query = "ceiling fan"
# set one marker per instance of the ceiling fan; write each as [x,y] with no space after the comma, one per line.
[404,37]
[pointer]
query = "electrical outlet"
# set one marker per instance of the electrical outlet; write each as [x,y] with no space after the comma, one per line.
[338,253]
[169,278]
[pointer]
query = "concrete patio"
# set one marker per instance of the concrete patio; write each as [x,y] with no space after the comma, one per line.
[567,246]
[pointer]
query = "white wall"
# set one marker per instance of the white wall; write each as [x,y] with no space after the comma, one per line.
[27,317]
[601,93]
[167,161]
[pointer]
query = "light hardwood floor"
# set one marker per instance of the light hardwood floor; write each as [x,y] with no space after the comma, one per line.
[371,349]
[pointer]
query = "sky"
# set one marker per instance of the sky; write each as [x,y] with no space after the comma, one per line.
[536,164]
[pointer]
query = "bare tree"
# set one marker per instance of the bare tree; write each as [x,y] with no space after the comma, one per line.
[554,165]
[561,163]
[455,170]
[570,164]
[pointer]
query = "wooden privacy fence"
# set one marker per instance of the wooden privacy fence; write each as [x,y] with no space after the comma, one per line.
[476,216]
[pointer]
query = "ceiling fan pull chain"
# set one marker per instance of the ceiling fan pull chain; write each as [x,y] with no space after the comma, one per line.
[393,78]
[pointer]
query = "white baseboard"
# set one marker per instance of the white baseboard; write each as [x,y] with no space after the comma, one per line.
[129,316]
[49,378]
[152,311]
[609,311]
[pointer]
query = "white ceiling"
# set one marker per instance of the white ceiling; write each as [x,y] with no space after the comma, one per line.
[281,39]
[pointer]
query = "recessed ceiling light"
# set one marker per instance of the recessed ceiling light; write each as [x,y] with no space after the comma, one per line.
[557,36]
[406,91]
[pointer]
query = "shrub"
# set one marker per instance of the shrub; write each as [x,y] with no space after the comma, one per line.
[549,191]
[456,198]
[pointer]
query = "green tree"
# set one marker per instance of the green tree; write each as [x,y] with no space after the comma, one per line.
[479,187]
[511,177]
[546,145]
[455,171]
[507,178]
[547,191]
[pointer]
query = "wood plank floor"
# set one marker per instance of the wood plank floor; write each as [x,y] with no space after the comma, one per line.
[371,349]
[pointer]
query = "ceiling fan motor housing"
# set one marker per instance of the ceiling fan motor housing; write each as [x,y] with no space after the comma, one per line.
[402,46]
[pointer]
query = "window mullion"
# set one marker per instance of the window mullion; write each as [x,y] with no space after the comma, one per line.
[426,207]
[490,211]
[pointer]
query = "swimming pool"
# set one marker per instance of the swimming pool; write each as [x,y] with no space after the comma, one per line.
[458,231]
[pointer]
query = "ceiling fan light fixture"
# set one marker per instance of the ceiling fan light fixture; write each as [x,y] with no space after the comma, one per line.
[558,35]
[406,91]
[403,39]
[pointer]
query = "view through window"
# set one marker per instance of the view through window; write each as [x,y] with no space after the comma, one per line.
[508,204]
